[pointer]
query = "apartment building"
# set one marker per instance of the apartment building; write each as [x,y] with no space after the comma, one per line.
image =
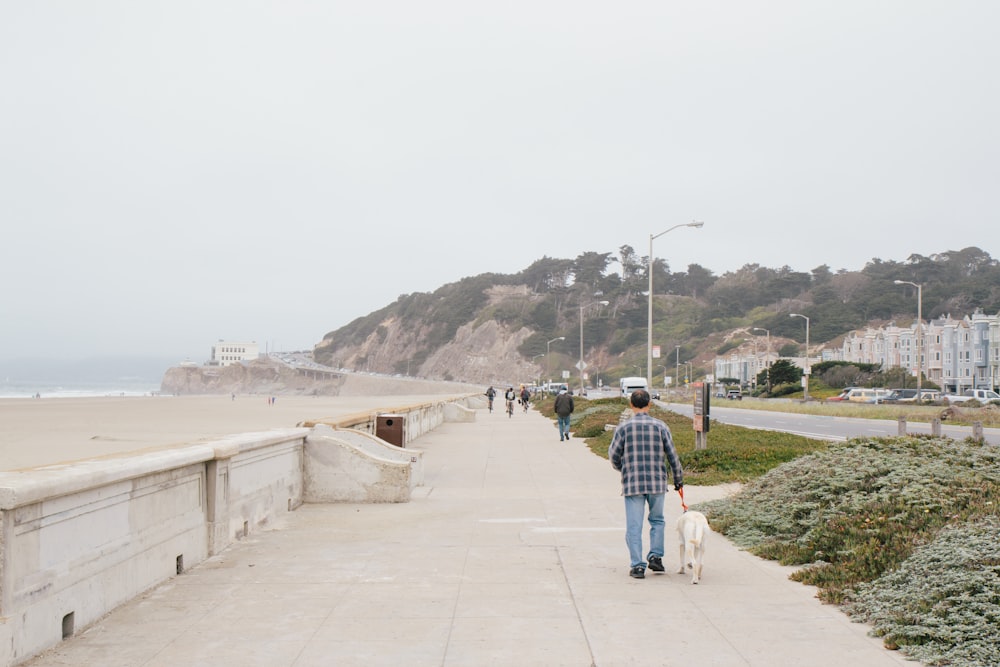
[958,354]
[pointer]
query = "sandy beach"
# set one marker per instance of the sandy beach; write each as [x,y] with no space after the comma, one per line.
[39,432]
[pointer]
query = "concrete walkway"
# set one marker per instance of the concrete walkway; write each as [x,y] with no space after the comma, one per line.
[512,554]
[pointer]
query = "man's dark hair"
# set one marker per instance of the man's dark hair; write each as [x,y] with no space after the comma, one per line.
[639,398]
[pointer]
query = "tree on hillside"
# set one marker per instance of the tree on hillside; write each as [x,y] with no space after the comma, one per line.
[821,275]
[783,371]
[589,269]
[632,269]
[735,291]
[546,274]
[696,281]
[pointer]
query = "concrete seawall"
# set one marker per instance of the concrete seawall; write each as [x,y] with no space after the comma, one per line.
[79,538]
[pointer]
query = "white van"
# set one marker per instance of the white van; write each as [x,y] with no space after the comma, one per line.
[865,395]
[630,384]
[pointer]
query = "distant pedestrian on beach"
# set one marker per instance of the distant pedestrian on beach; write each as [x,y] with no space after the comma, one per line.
[564,408]
[640,450]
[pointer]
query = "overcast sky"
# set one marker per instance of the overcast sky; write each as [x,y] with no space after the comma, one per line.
[173,173]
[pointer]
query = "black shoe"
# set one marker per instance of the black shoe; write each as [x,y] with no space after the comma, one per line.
[561,438]
[656,564]
[637,572]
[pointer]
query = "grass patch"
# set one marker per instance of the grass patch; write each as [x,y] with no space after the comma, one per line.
[734,454]
[989,415]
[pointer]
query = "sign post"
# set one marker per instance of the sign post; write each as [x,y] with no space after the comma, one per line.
[702,398]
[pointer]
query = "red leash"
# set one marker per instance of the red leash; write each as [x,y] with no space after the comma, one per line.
[683,506]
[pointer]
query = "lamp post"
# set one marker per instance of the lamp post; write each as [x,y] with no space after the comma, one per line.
[920,333]
[548,359]
[767,362]
[806,370]
[649,270]
[664,375]
[582,365]
[677,366]
[533,361]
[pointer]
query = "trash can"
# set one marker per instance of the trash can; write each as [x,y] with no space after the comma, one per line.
[391,429]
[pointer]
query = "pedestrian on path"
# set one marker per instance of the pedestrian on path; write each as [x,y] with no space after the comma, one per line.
[564,408]
[640,450]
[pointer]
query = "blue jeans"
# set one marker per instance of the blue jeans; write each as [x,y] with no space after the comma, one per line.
[563,426]
[635,509]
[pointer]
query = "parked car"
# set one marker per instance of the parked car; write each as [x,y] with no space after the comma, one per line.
[981,395]
[866,395]
[734,395]
[901,396]
[842,396]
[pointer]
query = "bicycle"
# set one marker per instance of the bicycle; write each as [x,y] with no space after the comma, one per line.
[510,408]
[491,403]
[525,404]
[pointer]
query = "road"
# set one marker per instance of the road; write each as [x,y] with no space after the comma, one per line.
[822,427]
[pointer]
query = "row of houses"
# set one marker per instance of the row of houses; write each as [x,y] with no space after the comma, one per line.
[957,354]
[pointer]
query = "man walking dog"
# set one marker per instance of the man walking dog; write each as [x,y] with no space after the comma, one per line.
[641,449]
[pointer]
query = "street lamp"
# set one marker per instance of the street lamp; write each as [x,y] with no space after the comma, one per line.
[677,366]
[806,369]
[533,361]
[664,375]
[768,361]
[582,365]
[920,333]
[649,269]
[548,359]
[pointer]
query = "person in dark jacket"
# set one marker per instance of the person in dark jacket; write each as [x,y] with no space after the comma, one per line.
[641,449]
[564,408]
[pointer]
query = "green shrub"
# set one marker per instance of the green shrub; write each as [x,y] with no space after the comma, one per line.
[857,510]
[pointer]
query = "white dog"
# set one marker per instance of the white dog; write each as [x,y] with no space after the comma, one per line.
[692,530]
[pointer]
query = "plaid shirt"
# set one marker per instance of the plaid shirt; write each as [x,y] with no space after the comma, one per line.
[637,451]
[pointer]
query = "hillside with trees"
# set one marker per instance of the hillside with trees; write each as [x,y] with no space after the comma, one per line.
[511,327]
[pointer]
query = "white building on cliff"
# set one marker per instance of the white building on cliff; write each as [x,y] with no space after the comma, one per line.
[227,352]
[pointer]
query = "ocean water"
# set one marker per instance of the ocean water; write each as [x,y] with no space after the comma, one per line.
[107,376]
[77,389]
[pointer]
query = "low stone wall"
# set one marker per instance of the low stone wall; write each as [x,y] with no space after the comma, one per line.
[373,446]
[80,539]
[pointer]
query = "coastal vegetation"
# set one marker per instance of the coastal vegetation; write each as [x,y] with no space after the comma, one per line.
[696,313]
[902,533]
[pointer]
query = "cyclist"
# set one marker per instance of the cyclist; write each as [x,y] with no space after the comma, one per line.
[510,396]
[525,397]
[490,393]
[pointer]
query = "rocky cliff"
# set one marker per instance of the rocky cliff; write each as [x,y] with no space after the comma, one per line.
[268,377]
[480,353]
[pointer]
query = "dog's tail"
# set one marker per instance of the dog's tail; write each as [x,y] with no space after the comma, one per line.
[693,542]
